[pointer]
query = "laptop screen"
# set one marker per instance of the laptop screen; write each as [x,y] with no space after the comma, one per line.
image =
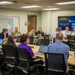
[43,49]
[1,41]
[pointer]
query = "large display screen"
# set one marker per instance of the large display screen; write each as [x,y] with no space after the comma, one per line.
[66,21]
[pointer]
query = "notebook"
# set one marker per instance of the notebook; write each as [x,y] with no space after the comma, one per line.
[42,49]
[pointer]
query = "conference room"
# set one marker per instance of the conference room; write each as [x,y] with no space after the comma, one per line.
[39,24]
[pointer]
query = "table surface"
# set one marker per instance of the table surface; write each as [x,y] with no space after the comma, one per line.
[71,59]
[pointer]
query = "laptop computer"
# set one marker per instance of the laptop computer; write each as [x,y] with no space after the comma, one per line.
[42,49]
[1,41]
[39,35]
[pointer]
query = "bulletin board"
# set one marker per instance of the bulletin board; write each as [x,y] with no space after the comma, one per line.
[9,23]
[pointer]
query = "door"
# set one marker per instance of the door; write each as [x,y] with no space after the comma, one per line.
[32,22]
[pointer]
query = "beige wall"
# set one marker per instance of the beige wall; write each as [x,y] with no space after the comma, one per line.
[50,19]
[23,17]
[46,21]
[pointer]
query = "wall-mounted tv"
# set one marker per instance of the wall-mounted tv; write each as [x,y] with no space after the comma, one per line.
[66,21]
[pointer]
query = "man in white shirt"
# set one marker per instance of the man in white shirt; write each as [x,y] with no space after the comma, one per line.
[66,32]
[73,33]
[54,34]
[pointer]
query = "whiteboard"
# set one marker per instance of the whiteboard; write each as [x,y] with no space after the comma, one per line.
[9,23]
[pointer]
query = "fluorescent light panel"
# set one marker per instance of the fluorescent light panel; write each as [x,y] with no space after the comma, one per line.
[52,9]
[34,6]
[5,2]
[66,3]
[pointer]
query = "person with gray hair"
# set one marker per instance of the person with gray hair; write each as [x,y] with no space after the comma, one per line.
[59,47]
[40,31]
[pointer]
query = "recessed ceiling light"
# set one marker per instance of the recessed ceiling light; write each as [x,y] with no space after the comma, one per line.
[52,9]
[34,6]
[65,3]
[5,2]
[37,0]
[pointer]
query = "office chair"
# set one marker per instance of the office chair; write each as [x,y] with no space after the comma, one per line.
[24,61]
[18,39]
[55,64]
[45,42]
[71,42]
[31,39]
[10,57]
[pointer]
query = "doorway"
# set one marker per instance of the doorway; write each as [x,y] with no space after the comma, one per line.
[32,21]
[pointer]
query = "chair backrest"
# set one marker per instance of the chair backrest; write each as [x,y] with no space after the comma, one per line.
[45,42]
[18,39]
[71,42]
[10,54]
[55,62]
[46,37]
[71,39]
[23,58]
[31,39]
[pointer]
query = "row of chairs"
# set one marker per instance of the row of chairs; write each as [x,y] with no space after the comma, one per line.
[44,41]
[71,42]
[18,58]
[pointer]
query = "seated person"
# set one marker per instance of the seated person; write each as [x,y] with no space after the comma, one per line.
[40,31]
[16,33]
[54,34]
[66,32]
[59,47]
[73,33]
[10,41]
[4,34]
[32,32]
[24,41]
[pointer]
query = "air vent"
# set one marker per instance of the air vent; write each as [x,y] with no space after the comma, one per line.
[15,1]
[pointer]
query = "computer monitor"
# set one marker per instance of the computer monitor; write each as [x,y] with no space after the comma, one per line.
[1,41]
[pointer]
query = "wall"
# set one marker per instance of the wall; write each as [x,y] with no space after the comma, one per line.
[46,21]
[23,17]
[55,15]
[50,19]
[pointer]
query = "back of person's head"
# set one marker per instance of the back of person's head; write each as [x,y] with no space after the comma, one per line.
[10,40]
[4,30]
[23,38]
[59,36]
[32,29]
[57,29]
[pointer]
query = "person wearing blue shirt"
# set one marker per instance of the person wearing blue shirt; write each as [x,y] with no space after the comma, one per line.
[59,47]
[54,34]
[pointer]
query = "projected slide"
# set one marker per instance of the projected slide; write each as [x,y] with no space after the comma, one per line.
[66,21]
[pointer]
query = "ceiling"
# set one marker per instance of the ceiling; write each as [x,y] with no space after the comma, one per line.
[43,3]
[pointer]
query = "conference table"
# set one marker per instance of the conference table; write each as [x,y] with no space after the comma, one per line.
[35,48]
